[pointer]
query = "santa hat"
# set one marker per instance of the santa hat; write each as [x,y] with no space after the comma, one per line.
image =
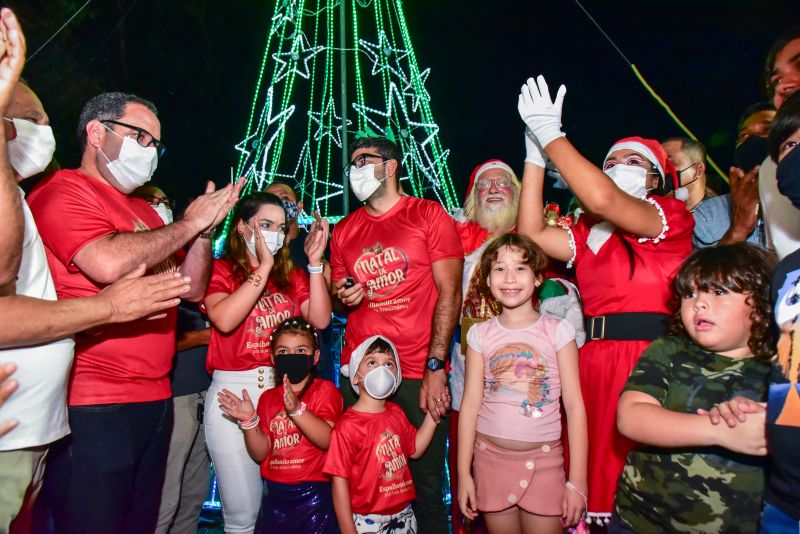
[655,154]
[349,369]
[482,168]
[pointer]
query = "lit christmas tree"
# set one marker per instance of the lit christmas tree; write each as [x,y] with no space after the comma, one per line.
[333,70]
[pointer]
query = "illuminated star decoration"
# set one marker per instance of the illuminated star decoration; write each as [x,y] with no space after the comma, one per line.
[255,141]
[329,124]
[284,13]
[381,53]
[298,58]
[415,88]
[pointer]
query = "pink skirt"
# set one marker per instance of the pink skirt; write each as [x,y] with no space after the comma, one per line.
[533,480]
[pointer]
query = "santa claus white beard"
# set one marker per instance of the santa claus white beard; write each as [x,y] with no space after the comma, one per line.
[497,219]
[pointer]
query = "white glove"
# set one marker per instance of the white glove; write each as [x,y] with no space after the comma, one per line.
[533,151]
[539,112]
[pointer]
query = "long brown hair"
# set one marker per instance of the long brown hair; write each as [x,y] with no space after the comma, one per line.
[236,249]
[532,255]
[741,268]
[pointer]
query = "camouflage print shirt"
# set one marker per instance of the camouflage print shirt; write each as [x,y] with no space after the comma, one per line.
[699,489]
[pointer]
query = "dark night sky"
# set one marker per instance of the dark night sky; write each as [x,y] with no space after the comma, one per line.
[198,60]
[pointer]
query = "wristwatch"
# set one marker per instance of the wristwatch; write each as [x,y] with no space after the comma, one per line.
[434,363]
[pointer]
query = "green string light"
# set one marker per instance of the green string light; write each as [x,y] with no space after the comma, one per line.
[294,132]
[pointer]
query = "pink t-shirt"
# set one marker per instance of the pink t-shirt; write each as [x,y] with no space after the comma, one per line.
[522,385]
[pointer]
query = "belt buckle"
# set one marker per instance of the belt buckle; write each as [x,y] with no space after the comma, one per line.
[602,335]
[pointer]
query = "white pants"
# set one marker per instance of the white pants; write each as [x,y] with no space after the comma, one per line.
[238,476]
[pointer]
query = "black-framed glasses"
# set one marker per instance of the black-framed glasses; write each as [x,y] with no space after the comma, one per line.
[143,137]
[361,160]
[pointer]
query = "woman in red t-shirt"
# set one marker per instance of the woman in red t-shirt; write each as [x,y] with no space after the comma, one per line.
[254,288]
[289,435]
[626,246]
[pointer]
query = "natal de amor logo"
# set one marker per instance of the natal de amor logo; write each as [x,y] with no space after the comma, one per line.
[380,270]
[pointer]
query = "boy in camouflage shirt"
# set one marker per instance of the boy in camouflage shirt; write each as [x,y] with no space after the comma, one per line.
[692,489]
[689,475]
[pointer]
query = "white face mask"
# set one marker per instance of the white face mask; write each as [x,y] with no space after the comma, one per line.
[363,181]
[134,166]
[32,149]
[629,178]
[273,240]
[380,382]
[164,212]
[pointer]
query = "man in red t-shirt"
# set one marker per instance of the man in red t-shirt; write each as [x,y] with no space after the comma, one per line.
[120,411]
[405,260]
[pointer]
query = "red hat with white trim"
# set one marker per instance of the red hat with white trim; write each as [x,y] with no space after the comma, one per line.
[651,150]
[483,167]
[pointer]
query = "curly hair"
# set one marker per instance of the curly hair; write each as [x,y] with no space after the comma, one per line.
[532,255]
[297,326]
[235,247]
[740,268]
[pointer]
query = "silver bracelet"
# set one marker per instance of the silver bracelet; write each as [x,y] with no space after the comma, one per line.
[315,269]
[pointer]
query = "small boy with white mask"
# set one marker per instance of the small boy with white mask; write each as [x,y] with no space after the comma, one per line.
[371,445]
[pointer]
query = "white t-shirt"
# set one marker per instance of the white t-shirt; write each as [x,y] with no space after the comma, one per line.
[40,402]
[781,218]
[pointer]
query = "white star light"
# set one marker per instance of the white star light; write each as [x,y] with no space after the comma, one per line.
[296,61]
[381,53]
[415,88]
[325,119]
[265,123]
[284,14]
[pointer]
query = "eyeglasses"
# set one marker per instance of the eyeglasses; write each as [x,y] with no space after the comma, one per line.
[499,183]
[143,137]
[361,160]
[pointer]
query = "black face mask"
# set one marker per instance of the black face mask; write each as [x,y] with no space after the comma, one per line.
[295,366]
[789,176]
[750,153]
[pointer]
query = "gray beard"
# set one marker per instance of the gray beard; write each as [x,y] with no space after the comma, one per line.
[497,221]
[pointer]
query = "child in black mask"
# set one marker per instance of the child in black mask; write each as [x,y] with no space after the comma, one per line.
[289,435]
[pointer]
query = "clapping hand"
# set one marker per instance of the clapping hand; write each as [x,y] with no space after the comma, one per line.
[316,240]
[12,55]
[240,409]
[290,400]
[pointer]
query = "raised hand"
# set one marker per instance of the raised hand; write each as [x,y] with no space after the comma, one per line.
[12,55]
[541,114]
[133,296]
[230,202]
[240,409]
[317,238]
[209,209]
[744,202]
[290,400]
[265,258]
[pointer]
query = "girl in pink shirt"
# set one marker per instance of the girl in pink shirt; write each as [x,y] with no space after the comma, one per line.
[518,366]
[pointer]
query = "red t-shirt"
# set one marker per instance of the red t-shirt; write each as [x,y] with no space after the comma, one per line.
[247,347]
[371,450]
[119,363]
[391,256]
[294,459]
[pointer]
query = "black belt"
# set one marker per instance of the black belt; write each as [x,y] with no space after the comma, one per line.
[626,326]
